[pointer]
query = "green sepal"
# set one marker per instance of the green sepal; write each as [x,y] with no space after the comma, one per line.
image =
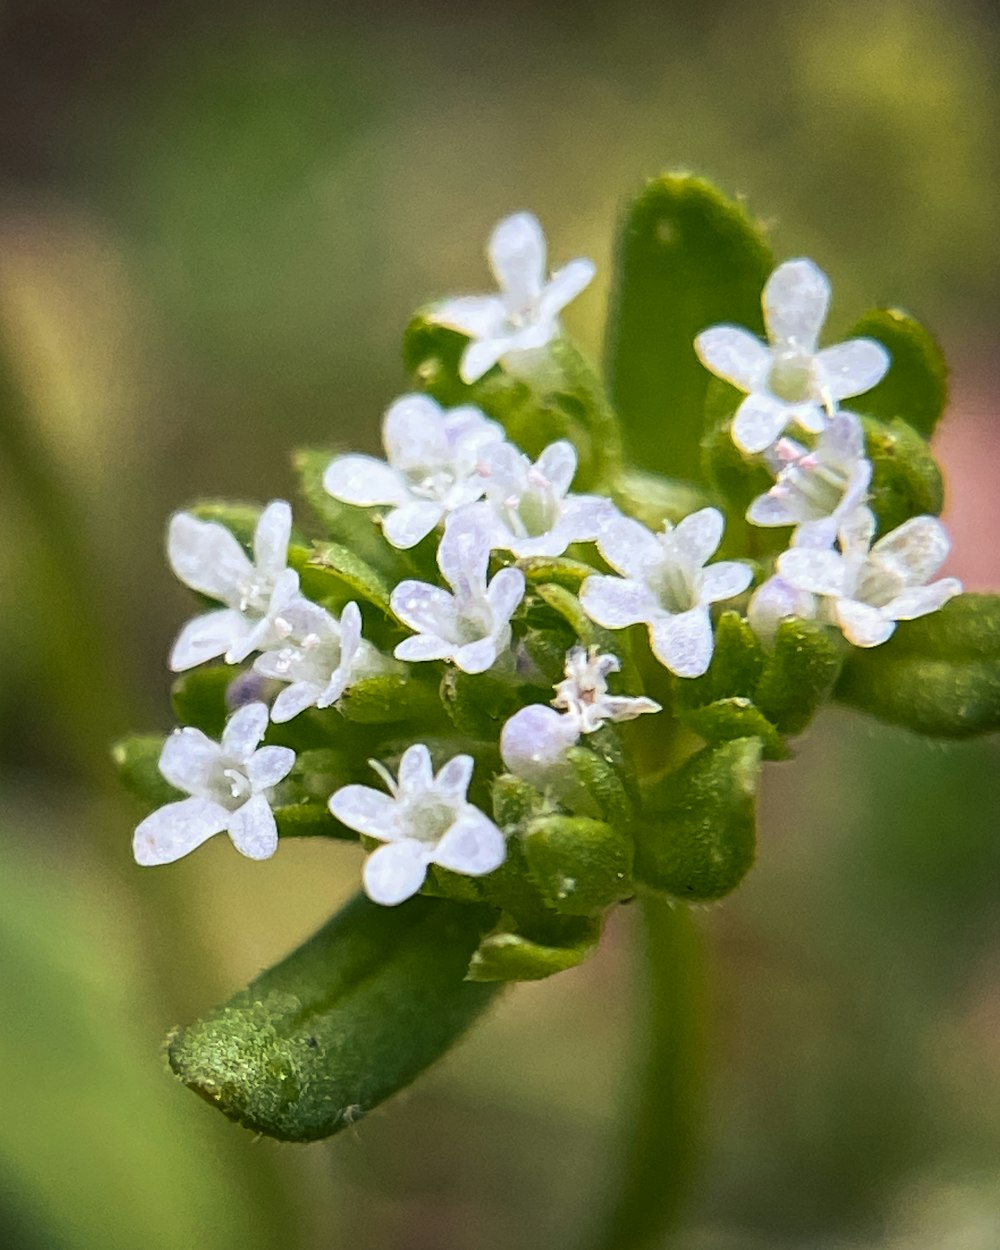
[916,386]
[385,698]
[799,673]
[906,480]
[507,955]
[349,1018]
[199,697]
[557,570]
[653,499]
[137,760]
[580,865]
[603,779]
[477,703]
[737,717]
[351,526]
[565,399]
[332,571]
[696,836]
[688,257]
[938,675]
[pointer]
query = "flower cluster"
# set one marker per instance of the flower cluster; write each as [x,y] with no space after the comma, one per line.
[505,602]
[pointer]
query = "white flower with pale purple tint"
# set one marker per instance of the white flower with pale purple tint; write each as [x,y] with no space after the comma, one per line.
[208,558]
[229,784]
[776,601]
[471,626]
[533,745]
[818,490]
[584,695]
[320,658]
[524,316]
[424,819]
[790,378]
[432,459]
[866,589]
[528,509]
[665,585]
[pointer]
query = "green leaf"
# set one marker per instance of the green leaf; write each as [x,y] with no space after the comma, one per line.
[478,704]
[580,865]
[352,1016]
[567,400]
[653,499]
[506,955]
[738,479]
[310,820]
[602,780]
[939,675]
[137,760]
[688,257]
[331,571]
[386,698]
[351,526]
[557,570]
[735,669]
[696,836]
[199,697]
[515,802]
[726,719]
[906,480]
[239,518]
[916,386]
[799,674]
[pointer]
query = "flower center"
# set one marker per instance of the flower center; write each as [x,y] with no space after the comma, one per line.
[429,819]
[231,787]
[534,512]
[820,486]
[674,587]
[792,376]
[431,481]
[255,595]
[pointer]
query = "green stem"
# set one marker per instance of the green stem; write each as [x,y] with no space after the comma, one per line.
[660,1155]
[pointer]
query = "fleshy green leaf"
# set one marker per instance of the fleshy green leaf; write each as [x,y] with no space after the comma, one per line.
[696,837]
[799,674]
[558,570]
[581,866]
[602,780]
[344,523]
[505,955]
[137,760]
[331,571]
[726,719]
[688,257]
[916,386]
[906,480]
[353,1015]
[240,518]
[478,704]
[389,697]
[199,697]
[653,499]
[738,479]
[515,802]
[737,663]
[939,675]
[310,820]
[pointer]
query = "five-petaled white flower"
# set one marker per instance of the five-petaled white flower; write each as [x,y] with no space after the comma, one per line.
[524,316]
[208,558]
[791,379]
[472,626]
[528,509]
[818,490]
[866,588]
[665,586]
[584,696]
[432,459]
[229,785]
[425,819]
[320,658]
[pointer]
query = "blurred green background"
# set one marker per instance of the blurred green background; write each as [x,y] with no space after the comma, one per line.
[214,223]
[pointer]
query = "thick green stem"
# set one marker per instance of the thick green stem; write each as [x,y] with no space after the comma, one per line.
[661,1151]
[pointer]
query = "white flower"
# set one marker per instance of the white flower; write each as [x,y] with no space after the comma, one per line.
[472,626]
[776,601]
[817,490]
[424,820]
[229,785]
[525,314]
[528,509]
[208,558]
[584,692]
[665,586]
[869,588]
[320,659]
[432,459]
[533,746]
[790,379]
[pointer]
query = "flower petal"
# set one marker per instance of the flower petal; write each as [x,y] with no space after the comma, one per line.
[423,647]
[414,434]
[774,602]
[269,765]
[294,699]
[207,637]
[630,547]
[177,829]
[758,423]
[557,464]
[416,773]
[404,527]
[252,828]
[364,481]
[863,625]
[816,571]
[517,257]
[477,316]
[735,354]
[697,537]
[478,656]
[464,553]
[395,872]
[207,557]
[917,548]
[534,742]
[365,810]
[452,782]
[773,509]
[271,538]
[616,602]
[504,593]
[189,759]
[724,580]
[244,730]
[424,607]
[853,367]
[564,286]
[920,600]
[796,298]
[683,643]
[480,357]
[586,518]
[473,845]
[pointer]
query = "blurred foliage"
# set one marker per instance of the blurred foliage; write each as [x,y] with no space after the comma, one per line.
[216,225]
